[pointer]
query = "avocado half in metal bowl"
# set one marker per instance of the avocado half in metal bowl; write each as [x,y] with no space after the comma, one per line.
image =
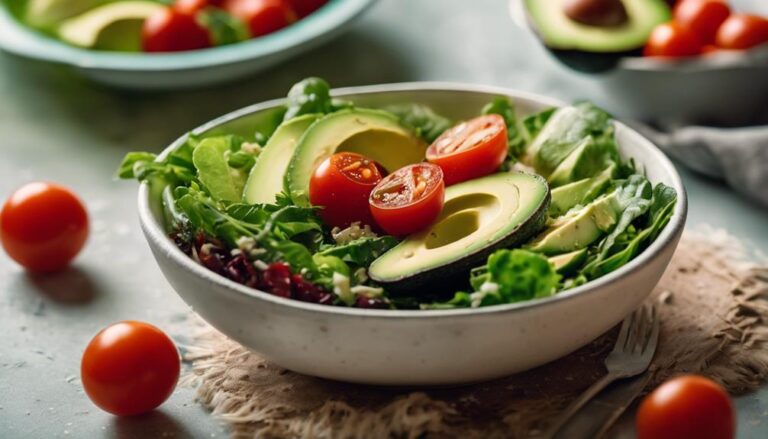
[416,347]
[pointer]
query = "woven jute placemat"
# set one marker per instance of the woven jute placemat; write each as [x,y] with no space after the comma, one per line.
[713,303]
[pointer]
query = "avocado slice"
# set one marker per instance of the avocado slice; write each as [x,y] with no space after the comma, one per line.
[587,160]
[267,175]
[114,26]
[373,133]
[48,13]
[577,229]
[558,31]
[481,215]
[580,192]
[568,263]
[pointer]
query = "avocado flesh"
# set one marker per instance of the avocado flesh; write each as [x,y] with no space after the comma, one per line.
[375,134]
[267,175]
[577,229]
[114,26]
[560,32]
[481,215]
[48,13]
[580,192]
[568,263]
[585,161]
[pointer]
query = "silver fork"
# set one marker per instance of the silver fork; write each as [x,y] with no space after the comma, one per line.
[631,356]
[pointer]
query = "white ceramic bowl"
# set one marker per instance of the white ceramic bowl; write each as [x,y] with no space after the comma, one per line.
[728,88]
[409,347]
[184,69]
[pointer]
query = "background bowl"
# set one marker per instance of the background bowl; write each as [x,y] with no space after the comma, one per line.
[409,347]
[727,88]
[185,69]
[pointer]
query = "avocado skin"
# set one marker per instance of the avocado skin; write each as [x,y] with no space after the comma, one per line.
[455,275]
[591,62]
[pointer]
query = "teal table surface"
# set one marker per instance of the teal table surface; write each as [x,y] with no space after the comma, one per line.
[56,126]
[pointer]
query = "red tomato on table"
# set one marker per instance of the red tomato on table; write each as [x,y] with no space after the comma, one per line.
[702,17]
[43,226]
[341,185]
[742,31]
[409,199]
[687,407]
[170,30]
[130,368]
[262,16]
[471,149]
[671,40]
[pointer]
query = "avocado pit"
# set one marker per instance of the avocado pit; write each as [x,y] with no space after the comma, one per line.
[599,13]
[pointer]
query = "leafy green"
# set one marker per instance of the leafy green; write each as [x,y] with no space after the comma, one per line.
[176,168]
[565,130]
[421,119]
[534,123]
[224,27]
[327,265]
[361,252]
[210,157]
[311,95]
[504,108]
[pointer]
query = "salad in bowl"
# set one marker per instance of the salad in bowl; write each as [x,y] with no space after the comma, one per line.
[369,234]
[401,208]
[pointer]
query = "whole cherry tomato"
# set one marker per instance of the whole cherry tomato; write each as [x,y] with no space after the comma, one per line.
[130,368]
[687,407]
[262,16]
[341,185]
[702,17]
[306,7]
[43,226]
[409,199]
[672,41]
[742,31]
[471,149]
[192,7]
[170,30]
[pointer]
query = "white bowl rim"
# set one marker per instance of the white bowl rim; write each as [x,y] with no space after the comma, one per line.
[666,238]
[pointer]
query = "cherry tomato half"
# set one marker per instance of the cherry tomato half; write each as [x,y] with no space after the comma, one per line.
[702,17]
[43,226]
[471,149]
[130,368]
[687,407]
[742,31]
[409,199]
[262,16]
[342,184]
[672,41]
[306,7]
[170,30]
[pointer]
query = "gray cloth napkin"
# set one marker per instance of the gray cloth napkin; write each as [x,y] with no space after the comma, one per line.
[739,156]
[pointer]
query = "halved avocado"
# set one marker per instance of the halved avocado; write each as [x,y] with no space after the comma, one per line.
[375,134]
[267,175]
[47,13]
[497,211]
[594,48]
[114,26]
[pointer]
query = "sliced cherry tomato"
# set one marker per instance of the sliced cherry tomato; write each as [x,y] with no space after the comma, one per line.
[262,16]
[672,41]
[702,17]
[306,7]
[342,184]
[130,368]
[687,407]
[169,30]
[471,149]
[193,6]
[742,31]
[409,199]
[43,226]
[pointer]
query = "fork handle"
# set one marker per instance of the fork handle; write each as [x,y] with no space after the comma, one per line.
[579,402]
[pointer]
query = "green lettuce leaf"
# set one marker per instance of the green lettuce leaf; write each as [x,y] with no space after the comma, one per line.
[361,252]
[424,122]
